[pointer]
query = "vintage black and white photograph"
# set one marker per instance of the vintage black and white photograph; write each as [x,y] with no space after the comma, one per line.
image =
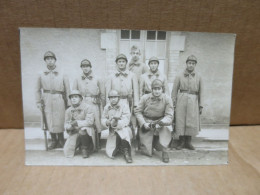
[111,97]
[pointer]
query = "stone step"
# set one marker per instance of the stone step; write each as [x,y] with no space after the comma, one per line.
[38,144]
[221,134]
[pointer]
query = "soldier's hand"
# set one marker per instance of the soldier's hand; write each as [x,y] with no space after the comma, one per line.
[161,123]
[200,109]
[157,126]
[147,126]
[108,123]
[69,127]
[39,106]
[114,122]
[74,123]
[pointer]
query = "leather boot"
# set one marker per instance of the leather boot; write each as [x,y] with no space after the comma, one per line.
[99,141]
[60,140]
[188,143]
[156,144]
[127,151]
[53,142]
[84,145]
[174,143]
[118,146]
[181,143]
[165,156]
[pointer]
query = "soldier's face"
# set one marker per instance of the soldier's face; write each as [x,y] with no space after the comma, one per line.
[157,91]
[154,66]
[135,55]
[113,100]
[190,65]
[75,99]
[50,61]
[86,68]
[121,63]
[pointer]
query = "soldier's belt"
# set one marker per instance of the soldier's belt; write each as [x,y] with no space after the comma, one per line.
[189,92]
[153,118]
[53,92]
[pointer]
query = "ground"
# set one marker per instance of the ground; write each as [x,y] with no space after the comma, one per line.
[211,148]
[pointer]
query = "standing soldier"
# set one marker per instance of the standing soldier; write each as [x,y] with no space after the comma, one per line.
[116,118]
[135,65]
[147,78]
[52,89]
[188,102]
[124,82]
[154,114]
[79,122]
[92,90]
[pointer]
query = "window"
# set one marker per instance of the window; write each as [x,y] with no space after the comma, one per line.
[130,34]
[161,35]
[156,35]
[125,34]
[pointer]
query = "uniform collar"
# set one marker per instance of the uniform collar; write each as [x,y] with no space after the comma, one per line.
[78,108]
[89,75]
[156,98]
[124,73]
[186,73]
[150,73]
[55,70]
[116,107]
[132,64]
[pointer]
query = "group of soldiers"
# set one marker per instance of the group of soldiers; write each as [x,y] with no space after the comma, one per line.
[134,104]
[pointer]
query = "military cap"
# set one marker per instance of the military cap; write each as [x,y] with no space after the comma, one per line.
[121,56]
[113,93]
[75,92]
[85,62]
[157,83]
[153,59]
[49,54]
[191,58]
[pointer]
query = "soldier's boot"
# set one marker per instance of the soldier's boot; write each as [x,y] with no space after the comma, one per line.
[188,143]
[181,143]
[99,141]
[126,151]
[156,144]
[160,147]
[53,142]
[174,143]
[118,146]
[60,140]
[165,156]
[84,145]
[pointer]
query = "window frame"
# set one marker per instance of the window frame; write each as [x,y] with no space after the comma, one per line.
[130,35]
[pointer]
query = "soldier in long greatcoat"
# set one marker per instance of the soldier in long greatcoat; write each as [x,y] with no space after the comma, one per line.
[148,77]
[125,82]
[116,118]
[155,114]
[188,102]
[92,90]
[52,90]
[79,124]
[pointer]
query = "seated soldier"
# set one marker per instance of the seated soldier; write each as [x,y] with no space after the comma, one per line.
[155,114]
[79,121]
[116,117]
